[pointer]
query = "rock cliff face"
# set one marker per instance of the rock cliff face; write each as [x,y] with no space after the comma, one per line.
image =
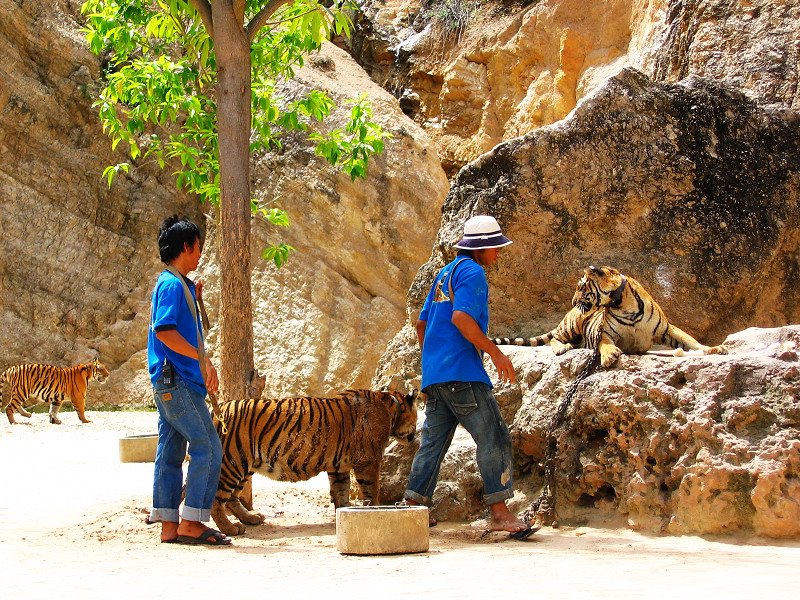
[692,189]
[517,67]
[76,259]
[750,45]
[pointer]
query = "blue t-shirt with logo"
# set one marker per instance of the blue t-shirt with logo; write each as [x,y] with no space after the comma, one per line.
[170,311]
[446,354]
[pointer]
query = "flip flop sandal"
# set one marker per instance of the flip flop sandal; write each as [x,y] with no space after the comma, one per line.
[524,534]
[210,537]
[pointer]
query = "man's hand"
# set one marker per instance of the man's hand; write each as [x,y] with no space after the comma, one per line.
[212,379]
[505,369]
[198,289]
[470,330]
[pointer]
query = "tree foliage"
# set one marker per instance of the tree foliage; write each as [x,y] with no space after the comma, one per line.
[159,89]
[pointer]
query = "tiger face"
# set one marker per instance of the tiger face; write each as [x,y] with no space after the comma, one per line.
[404,426]
[596,288]
[99,371]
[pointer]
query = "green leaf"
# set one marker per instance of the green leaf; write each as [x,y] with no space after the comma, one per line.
[111,171]
[279,253]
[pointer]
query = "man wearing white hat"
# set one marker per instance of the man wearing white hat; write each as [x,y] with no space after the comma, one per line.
[452,330]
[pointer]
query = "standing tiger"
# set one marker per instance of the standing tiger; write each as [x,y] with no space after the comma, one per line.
[48,383]
[614,314]
[294,439]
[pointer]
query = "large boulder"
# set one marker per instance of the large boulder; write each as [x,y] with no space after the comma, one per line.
[690,188]
[698,445]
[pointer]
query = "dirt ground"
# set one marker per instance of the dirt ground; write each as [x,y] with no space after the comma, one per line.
[72,522]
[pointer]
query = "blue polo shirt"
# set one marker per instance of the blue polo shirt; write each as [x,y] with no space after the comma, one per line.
[170,311]
[446,354]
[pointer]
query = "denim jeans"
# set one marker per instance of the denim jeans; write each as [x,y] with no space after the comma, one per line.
[474,406]
[183,417]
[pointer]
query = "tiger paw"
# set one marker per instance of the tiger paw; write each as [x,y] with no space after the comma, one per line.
[560,348]
[609,356]
[717,350]
[233,529]
[252,518]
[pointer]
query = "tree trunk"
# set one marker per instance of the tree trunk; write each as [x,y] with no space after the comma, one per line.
[232,50]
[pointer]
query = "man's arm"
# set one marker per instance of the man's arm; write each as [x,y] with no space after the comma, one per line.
[177,343]
[421,327]
[473,333]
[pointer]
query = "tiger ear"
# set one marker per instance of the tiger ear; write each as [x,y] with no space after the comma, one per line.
[596,271]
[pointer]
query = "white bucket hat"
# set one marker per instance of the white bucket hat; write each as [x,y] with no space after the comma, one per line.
[482,231]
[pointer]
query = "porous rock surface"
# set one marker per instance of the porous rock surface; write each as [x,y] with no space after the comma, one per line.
[682,445]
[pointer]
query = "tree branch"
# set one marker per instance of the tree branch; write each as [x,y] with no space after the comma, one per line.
[238,10]
[262,17]
[203,8]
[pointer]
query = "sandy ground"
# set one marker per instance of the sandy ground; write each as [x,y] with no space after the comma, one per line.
[72,522]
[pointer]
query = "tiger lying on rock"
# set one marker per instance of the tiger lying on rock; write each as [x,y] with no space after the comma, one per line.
[294,439]
[49,383]
[614,314]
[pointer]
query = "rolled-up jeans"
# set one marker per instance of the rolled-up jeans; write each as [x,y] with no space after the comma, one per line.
[183,418]
[473,405]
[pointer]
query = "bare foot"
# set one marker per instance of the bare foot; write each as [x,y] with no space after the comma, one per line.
[196,529]
[503,520]
[169,531]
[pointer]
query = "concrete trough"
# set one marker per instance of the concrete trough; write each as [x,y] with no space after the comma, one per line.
[138,448]
[369,530]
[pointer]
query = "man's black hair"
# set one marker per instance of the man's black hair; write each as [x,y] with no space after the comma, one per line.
[466,252]
[174,234]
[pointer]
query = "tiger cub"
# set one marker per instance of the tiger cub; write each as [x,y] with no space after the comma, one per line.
[294,439]
[614,314]
[48,383]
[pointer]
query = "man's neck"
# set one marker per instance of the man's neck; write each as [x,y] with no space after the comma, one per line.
[180,264]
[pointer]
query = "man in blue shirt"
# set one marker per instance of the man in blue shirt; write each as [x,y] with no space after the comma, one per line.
[451,330]
[180,392]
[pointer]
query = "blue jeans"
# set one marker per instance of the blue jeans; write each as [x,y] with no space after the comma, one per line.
[183,417]
[473,405]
